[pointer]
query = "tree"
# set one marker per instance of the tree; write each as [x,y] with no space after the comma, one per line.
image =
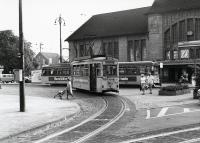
[9,47]
[29,59]
[8,51]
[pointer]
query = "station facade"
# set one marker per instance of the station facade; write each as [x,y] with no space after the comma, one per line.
[167,32]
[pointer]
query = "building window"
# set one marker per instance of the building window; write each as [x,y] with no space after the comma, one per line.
[184,53]
[111,48]
[182,31]
[131,53]
[81,50]
[167,39]
[116,50]
[168,53]
[137,50]
[50,61]
[190,29]
[174,34]
[197,29]
[175,54]
[144,49]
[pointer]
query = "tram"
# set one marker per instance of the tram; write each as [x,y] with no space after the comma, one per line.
[98,74]
[56,73]
[129,72]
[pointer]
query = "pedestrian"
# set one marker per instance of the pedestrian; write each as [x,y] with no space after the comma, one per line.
[69,88]
[143,83]
[181,80]
[150,82]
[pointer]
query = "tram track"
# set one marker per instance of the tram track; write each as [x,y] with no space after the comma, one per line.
[112,111]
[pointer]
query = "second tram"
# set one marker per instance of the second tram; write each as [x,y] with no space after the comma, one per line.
[56,74]
[98,74]
[129,72]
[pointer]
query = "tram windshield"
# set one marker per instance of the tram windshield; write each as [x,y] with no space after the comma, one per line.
[110,70]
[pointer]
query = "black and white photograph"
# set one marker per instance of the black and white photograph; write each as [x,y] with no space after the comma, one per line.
[109,71]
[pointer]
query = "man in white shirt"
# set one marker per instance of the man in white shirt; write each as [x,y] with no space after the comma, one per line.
[150,81]
[143,83]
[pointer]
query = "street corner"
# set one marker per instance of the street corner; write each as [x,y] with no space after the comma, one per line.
[39,112]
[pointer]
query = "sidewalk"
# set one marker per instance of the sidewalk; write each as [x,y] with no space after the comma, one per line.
[39,112]
[154,100]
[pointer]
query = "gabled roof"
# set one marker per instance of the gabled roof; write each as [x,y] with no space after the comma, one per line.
[49,55]
[113,24]
[163,6]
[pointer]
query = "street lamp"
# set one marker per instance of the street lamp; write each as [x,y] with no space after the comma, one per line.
[60,20]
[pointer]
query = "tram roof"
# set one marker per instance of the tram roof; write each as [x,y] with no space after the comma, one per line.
[96,59]
[57,65]
[139,62]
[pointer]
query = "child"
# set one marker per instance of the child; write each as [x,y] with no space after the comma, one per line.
[69,88]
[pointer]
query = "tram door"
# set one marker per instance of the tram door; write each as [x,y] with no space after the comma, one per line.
[93,77]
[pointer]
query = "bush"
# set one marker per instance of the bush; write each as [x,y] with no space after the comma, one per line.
[175,87]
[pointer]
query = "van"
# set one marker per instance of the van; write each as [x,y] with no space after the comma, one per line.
[5,78]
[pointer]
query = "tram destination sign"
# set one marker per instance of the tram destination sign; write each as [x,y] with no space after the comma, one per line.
[58,78]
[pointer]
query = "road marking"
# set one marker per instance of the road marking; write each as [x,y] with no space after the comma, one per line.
[162,135]
[162,112]
[186,110]
[191,141]
[148,114]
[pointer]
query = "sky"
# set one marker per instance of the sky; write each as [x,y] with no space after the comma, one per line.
[39,17]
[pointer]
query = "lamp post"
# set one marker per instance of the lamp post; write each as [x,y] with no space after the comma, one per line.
[161,73]
[60,20]
[21,60]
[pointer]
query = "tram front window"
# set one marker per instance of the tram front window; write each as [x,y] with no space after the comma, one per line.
[110,70]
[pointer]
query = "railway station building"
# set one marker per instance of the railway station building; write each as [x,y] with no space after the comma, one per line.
[167,32]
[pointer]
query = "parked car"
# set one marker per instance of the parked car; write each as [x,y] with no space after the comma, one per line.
[196,93]
[27,79]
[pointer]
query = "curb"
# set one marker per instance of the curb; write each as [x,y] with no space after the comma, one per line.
[47,126]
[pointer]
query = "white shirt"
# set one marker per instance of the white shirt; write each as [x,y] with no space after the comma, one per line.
[143,79]
[150,79]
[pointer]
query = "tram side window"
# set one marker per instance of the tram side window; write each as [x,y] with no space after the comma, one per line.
[142,70]
[131,71]
[122,71]
[85,70]
[46,72]
[74,70]
[77,70]
[65,72]
[155,70]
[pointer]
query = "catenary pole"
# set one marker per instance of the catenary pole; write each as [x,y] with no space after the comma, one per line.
[21,61]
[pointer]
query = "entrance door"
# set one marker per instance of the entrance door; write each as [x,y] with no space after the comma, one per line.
[93,77]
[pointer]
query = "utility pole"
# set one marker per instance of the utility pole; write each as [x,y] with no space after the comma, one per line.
[21,60]
[40,46]
[60,20]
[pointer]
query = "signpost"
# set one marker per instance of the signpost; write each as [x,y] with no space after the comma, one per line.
[161,73]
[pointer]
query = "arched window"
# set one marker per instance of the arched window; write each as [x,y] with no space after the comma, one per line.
[184,30]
